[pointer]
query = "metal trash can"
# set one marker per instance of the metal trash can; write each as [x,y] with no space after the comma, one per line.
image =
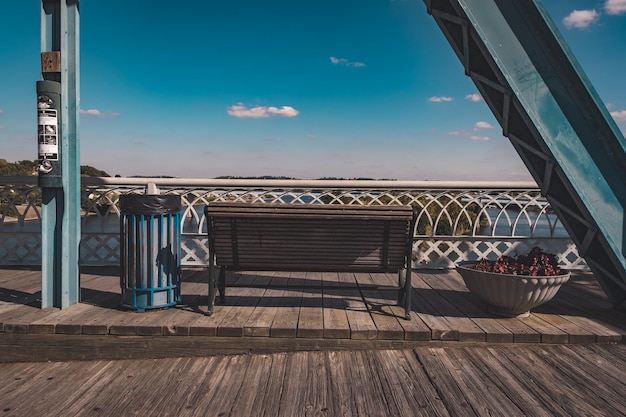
[150,233]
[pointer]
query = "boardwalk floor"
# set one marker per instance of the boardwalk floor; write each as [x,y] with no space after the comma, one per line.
[311,352]
[511,380]
[272,320]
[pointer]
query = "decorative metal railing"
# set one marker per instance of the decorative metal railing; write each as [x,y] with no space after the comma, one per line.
[457,221]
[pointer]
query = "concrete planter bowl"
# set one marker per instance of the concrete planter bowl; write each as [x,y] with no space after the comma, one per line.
[511,295]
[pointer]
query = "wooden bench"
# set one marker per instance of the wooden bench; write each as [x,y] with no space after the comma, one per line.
[310,237]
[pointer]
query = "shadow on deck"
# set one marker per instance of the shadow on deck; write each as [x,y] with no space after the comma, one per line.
[284,320]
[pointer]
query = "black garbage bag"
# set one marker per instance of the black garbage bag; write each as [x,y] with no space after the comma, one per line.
[150,205]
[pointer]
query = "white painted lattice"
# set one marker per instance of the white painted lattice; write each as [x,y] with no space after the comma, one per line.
[456,221]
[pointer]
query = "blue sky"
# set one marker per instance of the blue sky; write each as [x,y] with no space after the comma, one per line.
[304,89]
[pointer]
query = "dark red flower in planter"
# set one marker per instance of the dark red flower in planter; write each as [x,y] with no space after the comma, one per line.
[536,263]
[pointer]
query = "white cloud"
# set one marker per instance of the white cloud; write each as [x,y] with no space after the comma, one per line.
[1,111]
[455,132]
[440,99]
[311,136]
[259,112]
[581,19]
[615,6]
[620,116]
[474,97]
[480,138]
[98,113]
[483,125]
[345,62]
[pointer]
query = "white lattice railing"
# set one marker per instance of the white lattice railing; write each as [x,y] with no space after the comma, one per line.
[457,221]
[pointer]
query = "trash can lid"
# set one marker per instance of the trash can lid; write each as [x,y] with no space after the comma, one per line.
[150,204]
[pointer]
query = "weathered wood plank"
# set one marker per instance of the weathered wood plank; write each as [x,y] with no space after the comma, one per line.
[260,321]
[522,332]
[244,301]
[451,287]
[440,327]
[575,370]
[513,382]
[575,333]
[334,301]
[378,303]
[548,332]
[285,323]
[484,395]
[416,383]
[447,386]
[551,380]
[537,380]
[311,318]
[414,329]
[362,326]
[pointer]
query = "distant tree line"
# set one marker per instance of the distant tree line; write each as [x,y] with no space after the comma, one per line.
[27,168]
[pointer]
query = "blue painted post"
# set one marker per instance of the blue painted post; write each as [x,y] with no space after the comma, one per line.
[59,153]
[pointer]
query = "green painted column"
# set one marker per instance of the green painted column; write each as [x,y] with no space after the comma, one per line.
[58,105]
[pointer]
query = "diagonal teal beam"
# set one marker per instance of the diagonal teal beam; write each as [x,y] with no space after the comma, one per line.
[60,22]
[554,118]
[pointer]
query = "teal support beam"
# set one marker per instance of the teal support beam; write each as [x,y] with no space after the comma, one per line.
[554,118]
[59,152]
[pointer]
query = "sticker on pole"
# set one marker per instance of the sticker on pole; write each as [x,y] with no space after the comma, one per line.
[47,132]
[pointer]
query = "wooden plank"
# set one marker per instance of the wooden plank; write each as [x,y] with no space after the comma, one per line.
[535,364]
[575,333]
[371,401]
[586,330]
[239,209]
[285,323]
[225,390]
[292,401]
[311,318]
[440,328]
[414,329]
[362,326]
[335,319]
[176,320]
[484,395]
[609,359]
[467,330]
[255,382]
[411,379]
[341,385]
[514,382]
[576,370]
[397,382]
[451,287]
[203,325]
[268,405]
[18,320]
[445,384]
[260,321]
[95,290]
[548,332]
[244,301]
[378,304]
[522,332]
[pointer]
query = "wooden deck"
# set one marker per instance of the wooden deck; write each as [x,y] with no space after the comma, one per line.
[497,380]
[308,352]
[265,321]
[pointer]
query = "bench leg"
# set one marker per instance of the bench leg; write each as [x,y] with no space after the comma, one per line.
[404,294]
[212,290]
[222,285]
